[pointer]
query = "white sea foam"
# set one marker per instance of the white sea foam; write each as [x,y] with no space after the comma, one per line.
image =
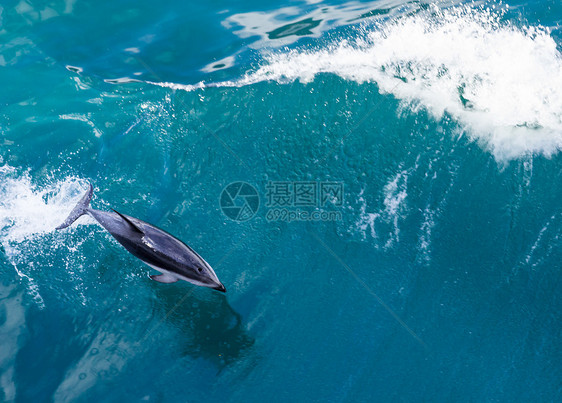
[501,82]
[29,212]
[385,223]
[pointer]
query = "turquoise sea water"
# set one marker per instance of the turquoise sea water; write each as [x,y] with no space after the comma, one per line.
[433,276]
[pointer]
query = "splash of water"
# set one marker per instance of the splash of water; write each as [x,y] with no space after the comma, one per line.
[502,82]
[499,81]
[29,212]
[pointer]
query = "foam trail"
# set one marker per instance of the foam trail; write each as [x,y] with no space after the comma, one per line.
[387,219]
[499,81]
[202,85]
[28,212]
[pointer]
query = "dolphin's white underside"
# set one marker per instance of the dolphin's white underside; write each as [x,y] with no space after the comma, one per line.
[171,277]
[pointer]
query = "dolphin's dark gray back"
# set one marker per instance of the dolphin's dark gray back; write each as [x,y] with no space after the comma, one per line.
[154,246]
[135,235]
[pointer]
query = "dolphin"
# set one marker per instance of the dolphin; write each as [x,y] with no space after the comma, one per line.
[155,247]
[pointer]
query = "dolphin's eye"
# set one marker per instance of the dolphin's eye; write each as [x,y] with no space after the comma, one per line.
[200,269]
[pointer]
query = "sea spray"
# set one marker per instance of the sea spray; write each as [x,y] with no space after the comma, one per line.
[29,213]
[499,81]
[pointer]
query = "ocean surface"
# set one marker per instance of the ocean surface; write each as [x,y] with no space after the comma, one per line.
[378,184]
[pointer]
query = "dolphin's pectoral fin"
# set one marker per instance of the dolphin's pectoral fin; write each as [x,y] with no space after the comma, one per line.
[133,226]
[164,278]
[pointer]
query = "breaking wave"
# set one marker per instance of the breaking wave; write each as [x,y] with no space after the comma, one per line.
[499,81]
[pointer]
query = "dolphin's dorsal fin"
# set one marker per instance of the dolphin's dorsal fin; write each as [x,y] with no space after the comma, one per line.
[131,224]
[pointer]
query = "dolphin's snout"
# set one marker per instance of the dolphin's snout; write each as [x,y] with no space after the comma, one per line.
[220,287]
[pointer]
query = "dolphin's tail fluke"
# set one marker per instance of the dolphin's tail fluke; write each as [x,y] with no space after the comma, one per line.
[79,210]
